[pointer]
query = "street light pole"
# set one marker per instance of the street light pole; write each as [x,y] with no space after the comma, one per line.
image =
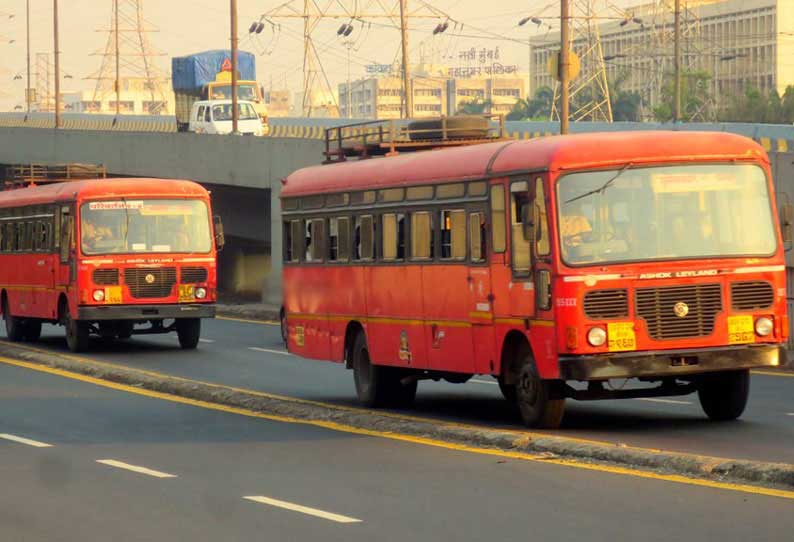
[677,91]
[117,83]
[564,66]
[408,98]
[57,65]
[235,113]
[27,89]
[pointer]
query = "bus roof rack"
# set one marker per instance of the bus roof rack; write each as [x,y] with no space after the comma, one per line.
[24,175]
[390,137]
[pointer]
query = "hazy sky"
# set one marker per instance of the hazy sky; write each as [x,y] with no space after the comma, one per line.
[187,26]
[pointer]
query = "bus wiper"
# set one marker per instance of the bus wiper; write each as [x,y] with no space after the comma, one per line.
[127,226]
[603,187]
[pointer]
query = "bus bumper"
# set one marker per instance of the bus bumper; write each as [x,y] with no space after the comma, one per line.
[145,312]
[670,363]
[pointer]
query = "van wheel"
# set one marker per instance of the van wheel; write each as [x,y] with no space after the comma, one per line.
[14,326]
[76,333]
[32,330]
[540,406]
[189,332]
[723,396]
[378,386]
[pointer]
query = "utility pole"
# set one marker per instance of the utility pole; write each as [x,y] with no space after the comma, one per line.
[57,65]
[235,113]
[28,97]
[408,99]
[564,66]
[117,84]
[677,91]
[348,46]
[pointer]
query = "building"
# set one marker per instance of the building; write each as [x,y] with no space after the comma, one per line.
[137,98]
[740,43]
[279,103]
[320,104]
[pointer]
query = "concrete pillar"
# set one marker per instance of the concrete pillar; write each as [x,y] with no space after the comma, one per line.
[272,288]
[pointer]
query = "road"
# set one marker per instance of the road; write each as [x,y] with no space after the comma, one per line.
[81,461]
[250,355]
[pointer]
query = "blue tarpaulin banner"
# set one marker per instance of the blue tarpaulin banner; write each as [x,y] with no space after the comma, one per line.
[194,71]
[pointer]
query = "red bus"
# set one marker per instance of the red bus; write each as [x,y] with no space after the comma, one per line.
[108,257]
[558,266]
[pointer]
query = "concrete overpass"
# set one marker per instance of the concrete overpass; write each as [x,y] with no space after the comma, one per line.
[245,173]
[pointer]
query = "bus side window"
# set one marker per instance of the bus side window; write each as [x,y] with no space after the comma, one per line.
[520,245]
[315,240]
[296,230]
[365,233]
[393,237]
[339,239]
[453,235]
[67,234]
[477,237]
[498,226]
[421,236]
[541,219]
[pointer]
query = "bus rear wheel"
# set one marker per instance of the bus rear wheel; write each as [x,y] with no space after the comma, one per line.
[723,396]
[378,386]
[540,404]
[189,332]
[14,327]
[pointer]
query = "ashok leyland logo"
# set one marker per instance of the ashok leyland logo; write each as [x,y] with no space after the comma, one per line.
[681,309]
[149,278]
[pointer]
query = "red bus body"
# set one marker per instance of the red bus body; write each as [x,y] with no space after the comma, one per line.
[456,319]
[45,276]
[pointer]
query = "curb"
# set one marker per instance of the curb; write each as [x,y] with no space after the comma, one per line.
[248,313]
[541,446]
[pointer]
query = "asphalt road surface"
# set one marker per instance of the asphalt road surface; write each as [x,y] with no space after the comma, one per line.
[251,355]
[85,462]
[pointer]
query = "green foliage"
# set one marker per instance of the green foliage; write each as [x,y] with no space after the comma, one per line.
[536,108]
[695,98]
[753,106]
[475,107]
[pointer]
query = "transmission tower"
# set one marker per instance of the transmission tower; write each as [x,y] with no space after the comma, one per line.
[44,68]
[129,54]
[313,12]
[589,91]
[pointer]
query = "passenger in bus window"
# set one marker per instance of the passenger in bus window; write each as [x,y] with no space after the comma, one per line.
[95,232]
[574,225]
[308,240]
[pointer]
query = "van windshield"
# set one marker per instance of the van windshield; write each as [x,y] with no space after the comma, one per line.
[223,112]
[665,213]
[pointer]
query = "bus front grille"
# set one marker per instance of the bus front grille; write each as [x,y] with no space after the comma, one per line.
[749,296]
[148,283]
[192,275]
[605,304]
[106,277]
[678,312]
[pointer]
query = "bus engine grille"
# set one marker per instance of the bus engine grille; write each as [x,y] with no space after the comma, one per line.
[699,304]
[748,296]
[150,283]
[605,304]
[193,275]
[106,277]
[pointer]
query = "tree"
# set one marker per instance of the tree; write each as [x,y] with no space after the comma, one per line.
[695,98]
[787,106]
[475,107]
[753,106]
[536,108]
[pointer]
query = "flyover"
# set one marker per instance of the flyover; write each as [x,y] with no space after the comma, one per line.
[245,173]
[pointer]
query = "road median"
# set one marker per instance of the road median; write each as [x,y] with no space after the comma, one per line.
[530,445]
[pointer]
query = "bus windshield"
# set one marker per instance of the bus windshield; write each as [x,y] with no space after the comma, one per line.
[145,226]
[665,213]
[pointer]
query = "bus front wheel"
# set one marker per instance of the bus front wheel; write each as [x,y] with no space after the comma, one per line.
[189,332]
[540,404]
[76,333]
[378,386]
[723,396]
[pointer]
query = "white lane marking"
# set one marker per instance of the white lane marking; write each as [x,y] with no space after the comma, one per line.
[790,414]
[23,440]
[303,509]
[269,351]
[206,340]
[135,468]
[476,381]
[666,401]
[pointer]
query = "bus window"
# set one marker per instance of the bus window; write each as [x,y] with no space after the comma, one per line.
[393,237]
[338,239]
[453,235]
[421,236]
[315,234]
[542,219]
[67,234]
[477,237]
[498,226]
[364,237]
[520,245]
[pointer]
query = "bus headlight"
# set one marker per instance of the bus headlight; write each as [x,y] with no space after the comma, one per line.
[99,295]
[200,293]
[764,326]
[596,336]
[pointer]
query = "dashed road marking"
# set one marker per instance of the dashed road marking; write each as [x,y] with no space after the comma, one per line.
[303,509]
[477,381]
[790,414]
[269,351]
[207,340]
[665,401]
[23,440]
[135,468]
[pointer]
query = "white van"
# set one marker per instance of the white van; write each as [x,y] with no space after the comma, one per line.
[215,117]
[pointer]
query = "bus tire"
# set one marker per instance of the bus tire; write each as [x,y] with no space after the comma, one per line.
[77,333]
[723,396]
[284,327]
[378,386]
[32,330]
[537,401]
[15,329]
[189,332]
[508,391]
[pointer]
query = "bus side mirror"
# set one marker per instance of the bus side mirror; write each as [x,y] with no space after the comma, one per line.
[786,219]
[528,222]
[220,238]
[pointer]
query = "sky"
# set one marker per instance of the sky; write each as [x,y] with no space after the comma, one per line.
[187,26]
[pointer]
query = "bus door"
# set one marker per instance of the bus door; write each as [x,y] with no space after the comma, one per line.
[522,284]
[66,266]
[42,272]
[481,311]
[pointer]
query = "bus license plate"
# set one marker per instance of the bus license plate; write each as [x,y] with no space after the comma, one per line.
[113,295]
[186,293]
[741,330]
[621,337]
